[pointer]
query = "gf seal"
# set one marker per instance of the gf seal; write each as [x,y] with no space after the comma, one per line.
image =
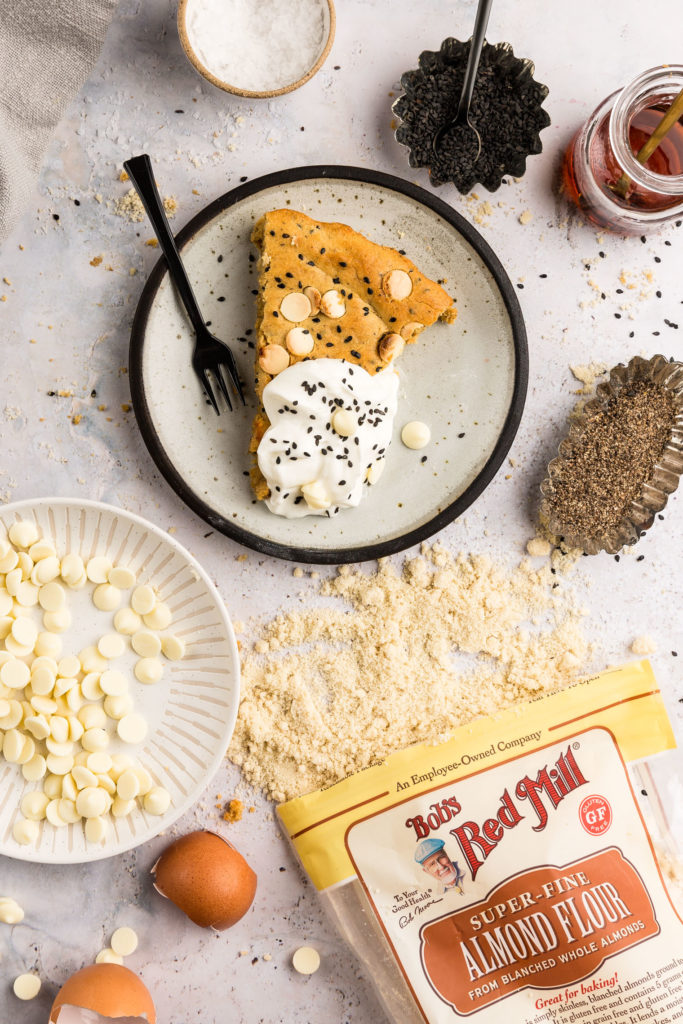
[595,815]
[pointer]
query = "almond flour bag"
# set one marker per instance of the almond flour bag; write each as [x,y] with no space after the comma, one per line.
[508,874]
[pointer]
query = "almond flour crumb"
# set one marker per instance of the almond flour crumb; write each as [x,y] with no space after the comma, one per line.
[644,645]
[588,374]
[233,811]
[407,657]
[129,206]
[538,547]
[525,217]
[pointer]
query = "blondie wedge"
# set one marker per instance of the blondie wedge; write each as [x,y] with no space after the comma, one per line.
[327,292]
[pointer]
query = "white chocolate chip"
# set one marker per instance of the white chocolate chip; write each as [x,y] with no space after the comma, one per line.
[295,307]
[108,956]
[299,341]
[344,423]
[316,495]
[34,769]
[51,597]
[26,986]
[72,569]
[128,785]
[143,600]
[67,810]
[90,686]
[57,622]
[157,800]
[9,561]
[34,805]
[374,472]
[25,832]
[91,660]
[59,765]
[91,802]
[306,960]
[98,568]
[23,534]
[99,762]
[111,646]
[48,645]
[160,616]
[146,644]
[13,646]
[313,296]
[172,647]
[132,728]
[121,577]
[106,598]
[83,776]
[10,911]
[122,808]
[113,683]
[15,674]
[124,941]
[92,716]
[410,329]
[119,705]
[12,745]
[144,779]
[397,284]
[332,304]
[41,549]
[96,829]
[69,667]
[46,570]
[390,347]
[274,359]
[148,670]
[127,622]
[93,740]
[416,435]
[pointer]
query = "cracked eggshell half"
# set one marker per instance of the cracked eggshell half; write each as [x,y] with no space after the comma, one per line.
[110,991]
[206,877]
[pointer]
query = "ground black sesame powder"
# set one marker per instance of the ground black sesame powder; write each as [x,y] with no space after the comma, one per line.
[606,468]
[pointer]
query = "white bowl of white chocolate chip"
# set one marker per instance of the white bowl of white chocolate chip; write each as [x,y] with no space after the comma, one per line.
[119,680]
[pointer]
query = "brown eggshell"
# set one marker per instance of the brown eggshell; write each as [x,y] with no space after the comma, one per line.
[207,878]
[108,989]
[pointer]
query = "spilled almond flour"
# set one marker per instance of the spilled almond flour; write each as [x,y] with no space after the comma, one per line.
[405,655]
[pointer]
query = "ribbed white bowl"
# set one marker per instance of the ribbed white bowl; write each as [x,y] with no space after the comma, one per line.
[191,712]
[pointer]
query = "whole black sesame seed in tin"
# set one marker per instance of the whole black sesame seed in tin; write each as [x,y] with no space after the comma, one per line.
[505,109]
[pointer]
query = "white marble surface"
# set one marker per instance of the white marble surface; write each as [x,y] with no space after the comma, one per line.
[143,95]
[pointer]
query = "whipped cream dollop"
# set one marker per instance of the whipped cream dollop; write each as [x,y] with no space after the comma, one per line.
[310,467]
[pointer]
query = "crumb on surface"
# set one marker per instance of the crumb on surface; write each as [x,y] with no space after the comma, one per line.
[233,811]
[644,644]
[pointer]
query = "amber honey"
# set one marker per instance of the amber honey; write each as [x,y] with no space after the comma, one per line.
[601,173]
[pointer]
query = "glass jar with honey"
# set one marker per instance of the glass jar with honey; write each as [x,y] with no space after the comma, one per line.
[602,174]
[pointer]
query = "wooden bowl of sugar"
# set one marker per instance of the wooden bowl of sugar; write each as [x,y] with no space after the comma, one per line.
[256,48]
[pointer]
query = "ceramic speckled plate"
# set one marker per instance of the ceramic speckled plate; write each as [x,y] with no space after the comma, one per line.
[467,380]
[191,711]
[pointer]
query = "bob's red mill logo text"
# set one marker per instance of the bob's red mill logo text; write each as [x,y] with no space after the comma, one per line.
[543,794]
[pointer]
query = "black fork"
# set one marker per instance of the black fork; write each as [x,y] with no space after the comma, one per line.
[210,353]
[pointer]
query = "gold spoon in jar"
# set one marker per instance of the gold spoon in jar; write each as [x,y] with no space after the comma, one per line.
[673,114]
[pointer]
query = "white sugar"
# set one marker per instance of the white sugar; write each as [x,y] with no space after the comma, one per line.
[257,45]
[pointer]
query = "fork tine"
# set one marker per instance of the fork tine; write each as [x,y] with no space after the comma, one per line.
[208,390]
[231,367]
[218,374]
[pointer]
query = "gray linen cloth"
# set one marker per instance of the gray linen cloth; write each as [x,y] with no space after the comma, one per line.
[47,51]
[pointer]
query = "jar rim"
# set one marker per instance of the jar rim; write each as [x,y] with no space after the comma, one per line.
[663,79]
